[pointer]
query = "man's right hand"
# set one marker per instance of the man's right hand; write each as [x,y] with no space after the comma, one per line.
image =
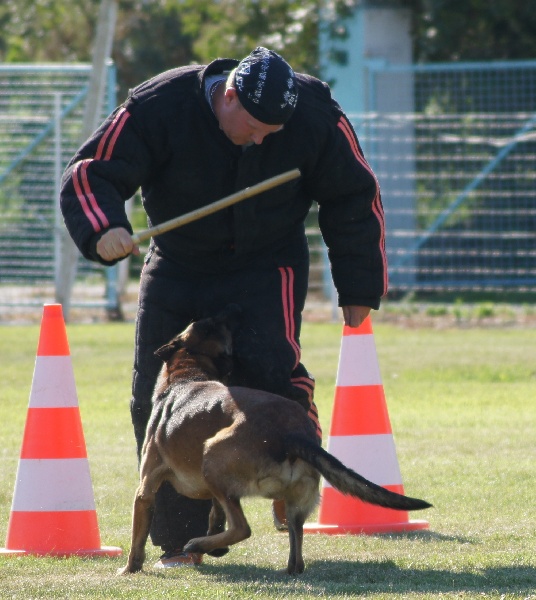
[116,243]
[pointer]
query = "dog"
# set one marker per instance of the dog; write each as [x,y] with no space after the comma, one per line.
[223,443]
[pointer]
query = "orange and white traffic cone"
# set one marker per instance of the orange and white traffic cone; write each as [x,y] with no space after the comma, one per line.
[53,510]
[361,438]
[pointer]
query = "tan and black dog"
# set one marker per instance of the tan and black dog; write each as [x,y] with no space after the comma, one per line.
[224,443]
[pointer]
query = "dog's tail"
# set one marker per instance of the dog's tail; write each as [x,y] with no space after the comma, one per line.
[348,481]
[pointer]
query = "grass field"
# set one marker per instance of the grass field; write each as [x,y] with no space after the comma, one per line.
[462,407]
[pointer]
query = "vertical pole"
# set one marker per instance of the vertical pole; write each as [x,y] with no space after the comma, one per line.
[113,274]
[57,178]
[101,52]
[330,292]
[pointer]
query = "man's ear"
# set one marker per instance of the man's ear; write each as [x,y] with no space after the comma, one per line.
[230,96]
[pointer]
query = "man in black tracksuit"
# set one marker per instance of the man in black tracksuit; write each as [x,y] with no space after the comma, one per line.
[189,137]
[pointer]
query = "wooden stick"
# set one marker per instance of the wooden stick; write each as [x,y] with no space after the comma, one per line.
[258,188]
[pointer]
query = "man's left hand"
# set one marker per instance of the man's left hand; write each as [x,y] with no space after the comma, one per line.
[355,315]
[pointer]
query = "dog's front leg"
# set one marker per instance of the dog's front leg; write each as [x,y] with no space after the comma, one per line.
[142,516]
[216,524]
[237,530]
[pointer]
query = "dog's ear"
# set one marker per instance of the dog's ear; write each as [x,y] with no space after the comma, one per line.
[166,351]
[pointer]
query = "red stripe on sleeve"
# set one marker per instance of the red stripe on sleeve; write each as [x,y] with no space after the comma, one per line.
[84,193]
[120,124]
[91,198]
[82,199]
[377,207]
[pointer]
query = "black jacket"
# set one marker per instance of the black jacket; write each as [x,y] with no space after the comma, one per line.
[166,140]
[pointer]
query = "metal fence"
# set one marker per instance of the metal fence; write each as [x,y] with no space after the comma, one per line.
[41,113]
[458,173]
[457,169]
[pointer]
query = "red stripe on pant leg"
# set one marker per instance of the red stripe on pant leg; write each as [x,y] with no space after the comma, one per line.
[313,415]
[308,384]
[287,297]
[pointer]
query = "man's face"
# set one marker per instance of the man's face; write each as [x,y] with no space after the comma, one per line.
[238,125]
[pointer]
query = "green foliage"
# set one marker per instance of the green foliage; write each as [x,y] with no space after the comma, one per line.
[233,29]
[47,30]
[473,29]
[152,36]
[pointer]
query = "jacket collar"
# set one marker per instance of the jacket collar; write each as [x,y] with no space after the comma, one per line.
[216,66]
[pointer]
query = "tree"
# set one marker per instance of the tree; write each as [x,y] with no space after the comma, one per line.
[232,29]
[154,35]
[473,29]
[150,38]
[46,30]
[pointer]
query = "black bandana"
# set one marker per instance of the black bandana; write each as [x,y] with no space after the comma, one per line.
[266,86]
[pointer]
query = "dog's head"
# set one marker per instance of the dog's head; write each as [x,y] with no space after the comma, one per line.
[208,340]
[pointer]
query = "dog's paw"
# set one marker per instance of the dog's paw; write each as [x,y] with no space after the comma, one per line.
[218,552]
[125,571]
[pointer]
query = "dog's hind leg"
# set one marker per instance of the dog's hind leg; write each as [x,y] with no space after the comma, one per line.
[216,524]
[300,500]
[295,519]
[237,530]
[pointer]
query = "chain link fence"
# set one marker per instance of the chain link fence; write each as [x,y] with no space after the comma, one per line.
[457,173]
[41,113]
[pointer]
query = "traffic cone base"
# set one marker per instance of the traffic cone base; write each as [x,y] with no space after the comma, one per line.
[53,510]
[83,537]
[372,519]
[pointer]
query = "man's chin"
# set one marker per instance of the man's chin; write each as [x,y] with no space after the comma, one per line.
[238,141]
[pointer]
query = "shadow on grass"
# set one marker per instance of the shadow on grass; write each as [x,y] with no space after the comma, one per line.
[429,536]
[336,577]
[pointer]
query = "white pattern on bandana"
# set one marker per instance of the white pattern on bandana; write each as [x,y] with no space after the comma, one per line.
[289,95]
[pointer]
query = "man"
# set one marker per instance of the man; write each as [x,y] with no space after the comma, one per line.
[189,137]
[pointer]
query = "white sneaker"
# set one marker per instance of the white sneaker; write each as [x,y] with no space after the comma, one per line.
[178,558]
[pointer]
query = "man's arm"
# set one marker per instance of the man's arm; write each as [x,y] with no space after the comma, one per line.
[106,170]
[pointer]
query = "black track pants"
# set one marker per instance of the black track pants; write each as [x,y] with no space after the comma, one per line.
[266,353]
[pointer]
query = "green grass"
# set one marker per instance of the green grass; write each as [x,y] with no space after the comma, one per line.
[461,404]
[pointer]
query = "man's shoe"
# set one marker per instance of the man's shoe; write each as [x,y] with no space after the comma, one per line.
[279,515]
[178,558]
